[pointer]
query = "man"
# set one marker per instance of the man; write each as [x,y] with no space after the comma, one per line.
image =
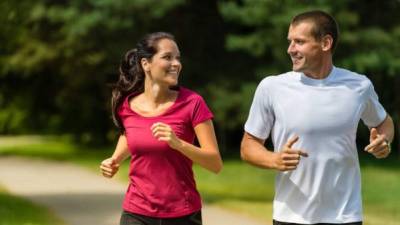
[312,114]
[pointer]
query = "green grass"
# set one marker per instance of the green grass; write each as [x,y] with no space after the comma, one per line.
[54,148]
[381,195]
[239,187]
[18,211]
[249,190]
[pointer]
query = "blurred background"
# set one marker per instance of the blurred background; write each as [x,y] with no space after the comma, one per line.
[58,59]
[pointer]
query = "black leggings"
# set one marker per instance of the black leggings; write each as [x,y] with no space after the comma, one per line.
[283,223]
[128,218]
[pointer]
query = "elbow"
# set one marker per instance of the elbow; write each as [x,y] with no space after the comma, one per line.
[243,153]
[216,170]
[243,156]
[215,163]
[217,167]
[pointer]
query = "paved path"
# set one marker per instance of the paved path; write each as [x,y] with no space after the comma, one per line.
[78,195]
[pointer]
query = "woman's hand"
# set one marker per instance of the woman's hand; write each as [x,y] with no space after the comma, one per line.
[163,132]
[109,167]
[207,155]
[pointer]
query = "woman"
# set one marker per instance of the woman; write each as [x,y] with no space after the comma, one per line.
[159,122]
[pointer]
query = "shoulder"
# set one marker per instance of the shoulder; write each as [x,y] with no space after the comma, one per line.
[194,104]
[273,81]
[187,95]
[353,79]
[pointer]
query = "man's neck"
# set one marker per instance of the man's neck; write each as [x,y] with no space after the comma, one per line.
[322,71]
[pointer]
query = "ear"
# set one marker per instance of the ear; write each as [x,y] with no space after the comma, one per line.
[327,43]
[145,64]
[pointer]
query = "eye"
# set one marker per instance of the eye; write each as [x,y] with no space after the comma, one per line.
[167,57]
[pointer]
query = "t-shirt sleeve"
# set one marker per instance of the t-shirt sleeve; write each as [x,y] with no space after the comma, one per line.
[261,117]
[200,112]
[373,112]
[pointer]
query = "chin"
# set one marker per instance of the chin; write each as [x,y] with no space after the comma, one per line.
[173,83]
[297,69]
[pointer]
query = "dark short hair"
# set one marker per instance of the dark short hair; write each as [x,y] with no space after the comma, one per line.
[324,24]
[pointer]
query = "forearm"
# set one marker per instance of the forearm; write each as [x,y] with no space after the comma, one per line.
[387,128]
[121,150]
[254,152]
[206,157]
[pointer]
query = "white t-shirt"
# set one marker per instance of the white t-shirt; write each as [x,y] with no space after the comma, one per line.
[325,187]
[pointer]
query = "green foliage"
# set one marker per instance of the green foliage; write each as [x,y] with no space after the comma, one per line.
[61,54]
[231,106]
[368,43]
[58,57]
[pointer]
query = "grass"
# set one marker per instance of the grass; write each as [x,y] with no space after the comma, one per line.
[381,195]
[18,211]
[239,187]
[54,148]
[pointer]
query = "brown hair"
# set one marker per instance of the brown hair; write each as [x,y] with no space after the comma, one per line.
[131,74]
[324,24]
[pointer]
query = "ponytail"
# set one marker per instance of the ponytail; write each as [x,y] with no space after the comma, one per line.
[131,79]
[131,74]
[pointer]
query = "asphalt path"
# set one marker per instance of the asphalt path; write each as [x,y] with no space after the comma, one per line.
[80,196]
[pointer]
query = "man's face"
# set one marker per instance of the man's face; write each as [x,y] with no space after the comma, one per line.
[304,50]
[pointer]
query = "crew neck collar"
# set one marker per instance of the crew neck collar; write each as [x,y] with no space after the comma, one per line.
[318,82]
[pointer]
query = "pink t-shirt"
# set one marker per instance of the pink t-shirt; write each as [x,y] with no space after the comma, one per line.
[161,178]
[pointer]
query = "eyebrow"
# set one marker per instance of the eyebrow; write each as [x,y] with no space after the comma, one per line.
[166,53]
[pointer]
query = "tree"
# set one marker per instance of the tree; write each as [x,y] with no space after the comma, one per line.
[60,55]
[370,30]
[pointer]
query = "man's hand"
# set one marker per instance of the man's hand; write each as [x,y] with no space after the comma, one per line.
[378,144]
[288,158]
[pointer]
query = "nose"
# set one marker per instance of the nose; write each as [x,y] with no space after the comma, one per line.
[291,48]
[176,62]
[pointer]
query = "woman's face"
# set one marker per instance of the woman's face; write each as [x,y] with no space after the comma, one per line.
[165,66]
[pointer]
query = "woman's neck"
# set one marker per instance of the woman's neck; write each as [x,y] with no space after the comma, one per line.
[157,94]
